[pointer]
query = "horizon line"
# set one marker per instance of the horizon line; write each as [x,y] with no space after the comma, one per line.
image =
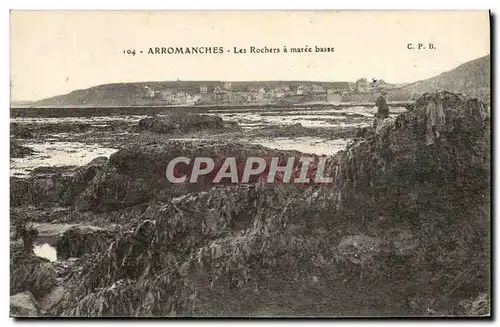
[243,81]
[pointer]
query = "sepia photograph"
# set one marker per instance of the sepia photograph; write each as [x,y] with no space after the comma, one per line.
[250,164]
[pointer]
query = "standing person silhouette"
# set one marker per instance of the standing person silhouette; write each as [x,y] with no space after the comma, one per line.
[382,110]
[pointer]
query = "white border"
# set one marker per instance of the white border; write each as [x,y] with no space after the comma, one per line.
[189,4]
[254,4]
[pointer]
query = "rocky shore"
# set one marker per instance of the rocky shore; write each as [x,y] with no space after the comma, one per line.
[19,151]
[402,230]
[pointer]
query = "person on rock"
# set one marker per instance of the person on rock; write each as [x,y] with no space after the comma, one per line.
[382,110]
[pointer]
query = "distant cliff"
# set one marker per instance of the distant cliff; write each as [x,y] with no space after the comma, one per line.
[471,78]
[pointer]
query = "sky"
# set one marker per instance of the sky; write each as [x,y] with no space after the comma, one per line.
[56,52]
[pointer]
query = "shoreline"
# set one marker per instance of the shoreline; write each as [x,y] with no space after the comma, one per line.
[92,111]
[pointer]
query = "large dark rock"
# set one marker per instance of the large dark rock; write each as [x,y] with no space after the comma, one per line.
[24,305]
[399,169]
[137,173]
[36,130]
[182,123]
[232,126]
[30,273]
[19,151]
[20,131]
[297,130]
[46,190]
[58,188]
[80,240]
[428,174]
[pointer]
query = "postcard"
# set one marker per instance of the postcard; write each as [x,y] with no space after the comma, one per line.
[250,164]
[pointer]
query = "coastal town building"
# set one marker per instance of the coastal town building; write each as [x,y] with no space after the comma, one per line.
[150,93]
[260,95]
[362,85]
[317,89]
[226,93]
[167,96]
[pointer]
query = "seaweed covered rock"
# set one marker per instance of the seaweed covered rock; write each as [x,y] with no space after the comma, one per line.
[30,273]
[23,305]
[419,152]
[478,306]
[428,173]
[20,131]
[56,188]
[50,170]
[182,123]
[19,151]
[53,298]
[408,209]
[157,125]
[232,126]
[37,130]
[67,216]
[158,296]
[137,173]
[80,240]
[169,241]
[84,175]
[43,191]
